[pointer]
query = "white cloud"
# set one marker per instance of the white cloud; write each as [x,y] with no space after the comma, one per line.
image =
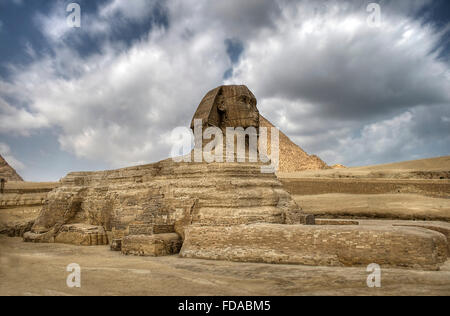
[5,152]
[136,9]
[319,72]
[395,139]
[114,106]
[18,120]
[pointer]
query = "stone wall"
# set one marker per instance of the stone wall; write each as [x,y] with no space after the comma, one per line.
[434,188]
[318,245]
[323,221]
[442,228]
[20,205]
[151,245]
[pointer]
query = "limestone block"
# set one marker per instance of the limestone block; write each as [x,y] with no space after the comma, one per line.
[443,228]
[116,245]
[17,229]
[151,245]
[321,221]
[82,235]
[149,229]
[47,237]
[168,196]
[318,245]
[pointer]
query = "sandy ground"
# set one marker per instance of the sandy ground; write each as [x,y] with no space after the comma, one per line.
[402,206]
[40,269]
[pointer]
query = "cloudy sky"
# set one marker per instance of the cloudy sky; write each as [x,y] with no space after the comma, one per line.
[108,94]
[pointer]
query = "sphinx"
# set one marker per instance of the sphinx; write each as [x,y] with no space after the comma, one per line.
[228,106]
[166,197]
[226,127]
[219,210]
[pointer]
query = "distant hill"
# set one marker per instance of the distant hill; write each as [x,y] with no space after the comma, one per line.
[292,157]
[431,169]
[431,164]
[7,172]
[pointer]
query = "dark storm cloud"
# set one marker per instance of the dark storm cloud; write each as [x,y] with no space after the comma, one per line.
[112,92]
[349,70]
[244,18]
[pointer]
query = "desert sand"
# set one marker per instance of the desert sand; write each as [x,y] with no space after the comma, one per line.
[413,190]
[40,269]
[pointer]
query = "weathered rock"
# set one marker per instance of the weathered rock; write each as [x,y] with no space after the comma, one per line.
[169,195]
[20,205]
[116,245]
[443,228]
[149,229]
[318,245]
[322,221]
[17,229]
[82,235]
[151,245]
[48,237]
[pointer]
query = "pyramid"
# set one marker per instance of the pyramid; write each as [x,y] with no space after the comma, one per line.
[7,172]
[292,157]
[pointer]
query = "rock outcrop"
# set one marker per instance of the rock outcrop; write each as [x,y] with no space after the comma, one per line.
[20,204]
[319,245]
[151,245]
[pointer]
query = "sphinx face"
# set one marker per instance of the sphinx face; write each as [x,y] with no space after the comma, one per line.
[239,109]
[228,106]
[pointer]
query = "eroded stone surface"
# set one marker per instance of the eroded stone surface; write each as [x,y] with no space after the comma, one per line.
[151,245]
[82,235]
[16,229]
[73,234]
[20,205]
[323,221]
[168,193]
[443,228]
[318,245]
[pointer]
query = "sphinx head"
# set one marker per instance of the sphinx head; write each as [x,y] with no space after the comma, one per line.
[228,106]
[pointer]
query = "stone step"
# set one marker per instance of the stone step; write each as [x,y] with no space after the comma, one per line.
[82,235]
[151,245]
[318,245]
